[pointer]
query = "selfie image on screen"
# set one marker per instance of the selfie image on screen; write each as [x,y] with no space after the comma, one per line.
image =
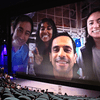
[59,43]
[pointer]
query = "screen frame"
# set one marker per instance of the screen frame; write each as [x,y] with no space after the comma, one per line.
[23,10]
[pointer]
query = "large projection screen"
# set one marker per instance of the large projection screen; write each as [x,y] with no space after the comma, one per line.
[69,18]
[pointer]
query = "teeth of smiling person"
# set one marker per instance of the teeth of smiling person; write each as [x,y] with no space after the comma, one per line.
[45,36]
[62,62]
[96,31]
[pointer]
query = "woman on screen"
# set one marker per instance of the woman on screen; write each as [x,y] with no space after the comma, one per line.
[89,58]
[45,33]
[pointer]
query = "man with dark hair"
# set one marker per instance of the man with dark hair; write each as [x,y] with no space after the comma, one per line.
[63,57]
[22,28]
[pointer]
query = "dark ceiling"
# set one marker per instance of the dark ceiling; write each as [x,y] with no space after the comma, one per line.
[7,4]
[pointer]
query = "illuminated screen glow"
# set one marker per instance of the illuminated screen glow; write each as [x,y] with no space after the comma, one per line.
[66,18]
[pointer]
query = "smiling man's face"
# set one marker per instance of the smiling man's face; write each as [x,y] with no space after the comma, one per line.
[62,54]
[21,33]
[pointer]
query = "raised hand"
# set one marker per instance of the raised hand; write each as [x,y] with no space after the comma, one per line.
[38,57]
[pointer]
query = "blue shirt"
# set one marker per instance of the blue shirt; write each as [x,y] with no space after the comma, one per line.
[20,59]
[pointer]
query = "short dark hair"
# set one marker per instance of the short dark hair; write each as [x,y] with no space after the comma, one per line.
[63,34]
[23,18]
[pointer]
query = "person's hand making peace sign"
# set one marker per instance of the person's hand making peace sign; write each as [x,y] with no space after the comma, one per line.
[38,57]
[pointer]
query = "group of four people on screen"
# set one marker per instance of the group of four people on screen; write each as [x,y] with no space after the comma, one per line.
[55,53]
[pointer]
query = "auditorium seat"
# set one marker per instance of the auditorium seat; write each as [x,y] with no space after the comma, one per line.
[94,99]
[60,96]
[31,96]
[54,97]
[36,94]
[16,94]
[82,98]
[40,98]
[68,97]
[11,98]
[5,95]
[7,90]
[45,96]
[22,97]
[1,90]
